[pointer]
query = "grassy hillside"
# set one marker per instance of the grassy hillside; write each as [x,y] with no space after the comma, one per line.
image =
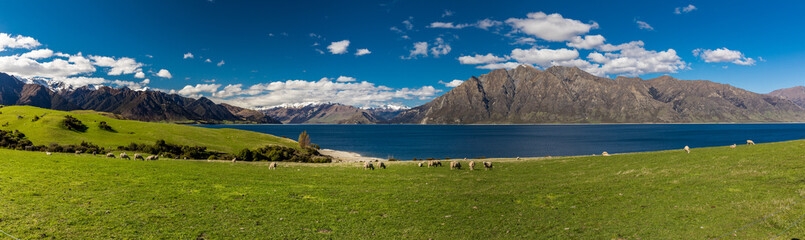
[48,130]
[657,195]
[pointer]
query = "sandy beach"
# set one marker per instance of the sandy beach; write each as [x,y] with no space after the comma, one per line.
[347,156]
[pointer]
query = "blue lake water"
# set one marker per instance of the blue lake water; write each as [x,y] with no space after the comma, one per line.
[406,142]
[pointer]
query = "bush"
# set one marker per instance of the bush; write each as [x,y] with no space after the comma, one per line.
[103,126]
[36,118]
[304,140]
[277,153]
[177,151]
[73,124]
[17,140]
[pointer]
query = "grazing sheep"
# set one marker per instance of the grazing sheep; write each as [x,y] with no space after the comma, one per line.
[110,155]
[48,153]
[124,156]
[368,165]
[234,159]
[381,165]
[750,142]
[456,165]
[472,165]
[273,165]
[138,156]
[420,164]
[94,152]
[606,154]
[438,163]
[77,152]
[518,158]
[488,165]
[152,157]
[733,146]
[687,149]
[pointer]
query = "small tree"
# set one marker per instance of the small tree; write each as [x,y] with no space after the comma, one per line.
[104,126]
[304,140]
[74,124]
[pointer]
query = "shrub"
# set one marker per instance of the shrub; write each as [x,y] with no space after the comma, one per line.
[102,125]
[36,118]
[304,140]
[73,124]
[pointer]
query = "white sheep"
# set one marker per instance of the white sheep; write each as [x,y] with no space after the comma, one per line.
[472,165]
[733,146]
[273,165]
[750,142]
[152,157]
[456,165]
[420,164]
[48,153]
[606,154]
[368,165]
[110,155]
[488,165]
[124,156]
[138,156]
[687,149]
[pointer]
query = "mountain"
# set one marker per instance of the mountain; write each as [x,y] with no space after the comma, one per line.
[130,104]
[322,113]
[570,95]
[795,94]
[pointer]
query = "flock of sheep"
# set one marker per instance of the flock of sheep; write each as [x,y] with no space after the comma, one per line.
[432,163]
[687,148]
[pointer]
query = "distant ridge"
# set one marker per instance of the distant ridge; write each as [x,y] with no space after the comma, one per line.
[136,105]
[571,95]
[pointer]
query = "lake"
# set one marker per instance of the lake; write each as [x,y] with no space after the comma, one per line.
[406,142]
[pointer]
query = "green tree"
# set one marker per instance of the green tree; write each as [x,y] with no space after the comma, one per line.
[304,140]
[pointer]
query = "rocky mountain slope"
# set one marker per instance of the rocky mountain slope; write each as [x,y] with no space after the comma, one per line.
[570,95]
[323,113]
[136,105]
[795,94]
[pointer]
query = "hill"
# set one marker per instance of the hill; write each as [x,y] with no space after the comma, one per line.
[48,130]
[708,193]
[795,94]
[154,106]
[570,95]
[324,113]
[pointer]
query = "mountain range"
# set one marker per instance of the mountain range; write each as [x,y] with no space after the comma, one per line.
[332,113]
[130,104]
[569,95]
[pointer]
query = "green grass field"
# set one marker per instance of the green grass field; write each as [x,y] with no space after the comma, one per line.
[654,195]
[48,130]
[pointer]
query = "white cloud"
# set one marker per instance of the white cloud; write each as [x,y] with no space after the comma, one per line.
[687,9]
[164,73]
[723,55]
[187,55]
[345,79]
[551,27]
[363,94]
[440,48]
[480,59]
[362,51]
[19,41]
[482,24]
[409,25]
[208,60]
[586,42]
[56,68]
[339,47]
[118,66]
[452,84]
[644,25]
[447,13]
[525,41]
[38,54]
[139,75]
[543,57]
[221,63]
[420,49]
[633,60]
[506,65]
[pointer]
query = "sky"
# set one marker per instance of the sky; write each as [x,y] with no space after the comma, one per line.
[393,52]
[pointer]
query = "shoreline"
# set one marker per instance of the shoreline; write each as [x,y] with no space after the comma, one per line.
[345,156]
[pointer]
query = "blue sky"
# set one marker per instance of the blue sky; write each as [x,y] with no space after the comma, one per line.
[278,51]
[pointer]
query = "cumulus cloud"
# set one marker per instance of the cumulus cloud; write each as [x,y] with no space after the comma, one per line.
[364,94]
[452,84]
[723,55]
[139,75]
[221,63]
[19,41]
[345,79]
[551,27]
[505,65]
[644,25]
[339,47]
[38,54]
[543,57]
[686,9]
[56,68]
[586,42]
[187,55]
[482,24]
[420,49]
[118,66]
[362,51]
[480,59]
[440,48]
[164,73]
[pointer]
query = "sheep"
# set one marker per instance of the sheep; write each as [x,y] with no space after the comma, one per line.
[124,156]
[94,152]
[77,152]
[234,159]
[273,165]
[110,155]
[750,142]
[438,163]
[368,165]
[518,158]
[138,156]
[605,154]
[472,165]
[488,165]
[687,149]
[381,165]
[733,146]
[152,157]
[48,153]
[456,165]
[420,164]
